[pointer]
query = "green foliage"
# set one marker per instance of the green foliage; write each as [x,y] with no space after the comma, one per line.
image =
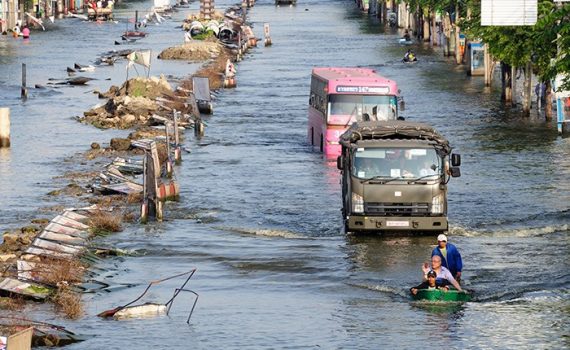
[545,44]
[517,45]
[204,35]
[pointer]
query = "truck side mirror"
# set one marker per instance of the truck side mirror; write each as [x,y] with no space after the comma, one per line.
[455,171]
[339,162]
[455,159]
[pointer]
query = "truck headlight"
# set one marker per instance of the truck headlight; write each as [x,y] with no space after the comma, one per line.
[437,204]
[357,203]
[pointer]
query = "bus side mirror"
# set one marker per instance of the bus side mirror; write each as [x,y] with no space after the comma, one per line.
[455,171]
[455,159]
[339,162]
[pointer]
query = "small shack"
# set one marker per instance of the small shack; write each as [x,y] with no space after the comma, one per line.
[475,58]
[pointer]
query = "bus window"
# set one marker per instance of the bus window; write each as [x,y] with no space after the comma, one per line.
[345,104]
[378,108]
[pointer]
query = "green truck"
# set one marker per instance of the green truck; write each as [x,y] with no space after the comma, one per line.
[394,177]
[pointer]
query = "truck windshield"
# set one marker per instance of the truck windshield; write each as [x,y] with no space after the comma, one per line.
[365,107]
[396,163]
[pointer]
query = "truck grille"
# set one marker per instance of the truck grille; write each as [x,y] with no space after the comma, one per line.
[397,209]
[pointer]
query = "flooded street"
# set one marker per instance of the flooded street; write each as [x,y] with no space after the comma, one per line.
[259,213]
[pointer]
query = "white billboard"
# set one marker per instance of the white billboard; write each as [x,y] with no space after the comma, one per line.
[508,12]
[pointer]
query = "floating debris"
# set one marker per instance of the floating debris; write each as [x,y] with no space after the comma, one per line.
[151,309]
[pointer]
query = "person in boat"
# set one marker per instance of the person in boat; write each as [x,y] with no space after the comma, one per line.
[442,272]
[450,256]
[410,56]
[431,283]
[407,36]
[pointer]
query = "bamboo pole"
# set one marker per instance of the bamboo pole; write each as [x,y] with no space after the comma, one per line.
[4,127]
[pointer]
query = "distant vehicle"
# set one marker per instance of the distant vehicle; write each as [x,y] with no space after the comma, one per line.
[99,13]
[342,96]
[394,177]
[290,2]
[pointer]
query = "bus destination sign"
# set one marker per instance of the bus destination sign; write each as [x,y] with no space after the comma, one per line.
[364,89]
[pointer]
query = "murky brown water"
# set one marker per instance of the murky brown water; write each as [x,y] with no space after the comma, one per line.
[260,213]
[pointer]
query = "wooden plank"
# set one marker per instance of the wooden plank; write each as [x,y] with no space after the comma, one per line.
[52,236]
[65,221]
[21,340]
[55,227]
[58,247]
[125,188]
[47,253]
[74,216]
[201,88]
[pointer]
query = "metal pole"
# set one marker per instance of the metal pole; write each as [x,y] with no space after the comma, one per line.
[4,127]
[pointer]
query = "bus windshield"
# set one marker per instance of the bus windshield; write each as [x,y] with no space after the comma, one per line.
[396,163]
[364,107]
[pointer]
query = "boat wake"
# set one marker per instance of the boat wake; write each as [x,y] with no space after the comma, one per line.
[264,232]
[531,226]
[509,232]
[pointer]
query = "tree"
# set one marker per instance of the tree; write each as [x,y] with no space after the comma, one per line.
[532,47]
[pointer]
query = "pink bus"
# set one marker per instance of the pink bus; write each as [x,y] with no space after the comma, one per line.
[341,96]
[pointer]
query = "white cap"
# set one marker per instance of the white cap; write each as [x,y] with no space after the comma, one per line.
[442,237]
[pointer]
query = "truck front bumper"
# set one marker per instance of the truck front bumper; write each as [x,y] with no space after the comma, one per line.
[395,223]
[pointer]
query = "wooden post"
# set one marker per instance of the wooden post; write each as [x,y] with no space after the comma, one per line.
[177,149]
[267,35]
[198,128]
[4,127]
[24,90]
[169,169]
[151,206]
[229,79]
[487,64]
[144,204]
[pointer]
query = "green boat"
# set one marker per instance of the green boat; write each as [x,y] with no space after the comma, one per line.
[440,295]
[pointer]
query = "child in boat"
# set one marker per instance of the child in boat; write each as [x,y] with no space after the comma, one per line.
[431,283]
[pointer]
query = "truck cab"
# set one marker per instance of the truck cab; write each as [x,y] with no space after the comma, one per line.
[394,177]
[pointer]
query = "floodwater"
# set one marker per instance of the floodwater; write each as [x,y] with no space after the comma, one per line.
[259,214]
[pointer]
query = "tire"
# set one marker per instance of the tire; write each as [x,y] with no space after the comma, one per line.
[312,136]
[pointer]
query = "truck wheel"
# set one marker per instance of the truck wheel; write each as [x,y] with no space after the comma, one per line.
[346,229]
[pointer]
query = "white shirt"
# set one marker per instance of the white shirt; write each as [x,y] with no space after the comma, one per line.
[445,273]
